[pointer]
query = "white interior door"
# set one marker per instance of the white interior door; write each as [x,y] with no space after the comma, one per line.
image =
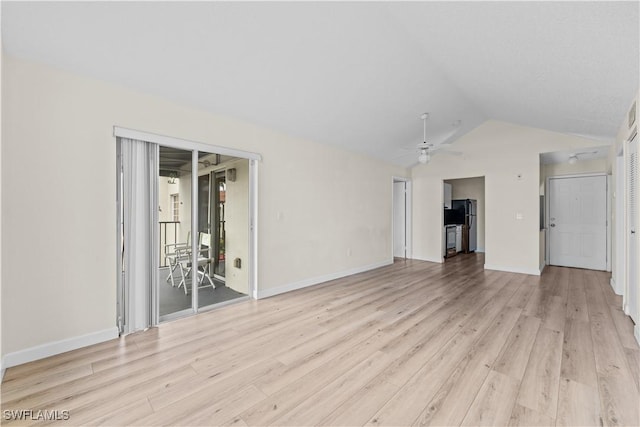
[399,219]
[578,222]
[632,230]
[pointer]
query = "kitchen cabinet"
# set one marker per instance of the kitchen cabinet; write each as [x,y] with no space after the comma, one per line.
[447,195]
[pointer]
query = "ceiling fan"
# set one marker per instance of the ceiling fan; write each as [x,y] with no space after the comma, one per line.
[573,157]
[427,149]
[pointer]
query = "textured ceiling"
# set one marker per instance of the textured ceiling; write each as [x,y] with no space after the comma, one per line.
[358,74]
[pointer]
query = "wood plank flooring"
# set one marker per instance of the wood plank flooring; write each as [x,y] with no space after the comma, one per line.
[414,343]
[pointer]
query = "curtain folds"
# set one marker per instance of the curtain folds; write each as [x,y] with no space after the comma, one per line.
[139,164]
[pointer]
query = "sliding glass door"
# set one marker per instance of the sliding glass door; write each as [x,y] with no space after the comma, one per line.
[182,214]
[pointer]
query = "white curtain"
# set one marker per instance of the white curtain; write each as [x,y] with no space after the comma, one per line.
[139,164]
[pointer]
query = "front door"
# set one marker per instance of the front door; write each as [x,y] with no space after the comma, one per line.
[578,222]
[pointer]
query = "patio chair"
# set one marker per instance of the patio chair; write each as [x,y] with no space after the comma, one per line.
[174,253]
[204,262]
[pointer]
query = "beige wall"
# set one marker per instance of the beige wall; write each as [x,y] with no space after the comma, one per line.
[507,155]
[472,188]
[321,210]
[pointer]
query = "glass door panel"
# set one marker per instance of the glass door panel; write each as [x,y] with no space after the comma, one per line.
[174,222]
[207,283]
[223,197]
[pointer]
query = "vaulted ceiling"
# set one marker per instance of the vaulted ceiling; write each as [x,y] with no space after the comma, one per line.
[358,74]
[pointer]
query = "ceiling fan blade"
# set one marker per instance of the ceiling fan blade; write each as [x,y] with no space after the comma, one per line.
[448,138]
[407,154]
[448,152]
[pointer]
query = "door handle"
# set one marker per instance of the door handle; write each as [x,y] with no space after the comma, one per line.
[552,225]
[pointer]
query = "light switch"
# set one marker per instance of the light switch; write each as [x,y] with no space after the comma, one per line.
[519,215]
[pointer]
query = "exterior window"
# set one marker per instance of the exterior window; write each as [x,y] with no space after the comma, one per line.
[175,206]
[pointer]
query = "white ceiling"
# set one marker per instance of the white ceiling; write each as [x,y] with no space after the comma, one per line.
[357,74]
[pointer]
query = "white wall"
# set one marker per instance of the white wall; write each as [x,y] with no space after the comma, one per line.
[472,188]
[507,155]
[168,232]
[2,294]
[165,190]
[322,211]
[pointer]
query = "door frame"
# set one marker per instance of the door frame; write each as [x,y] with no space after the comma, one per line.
[548,208]
[633,137]
[619,279]
[408,217]
[194,147]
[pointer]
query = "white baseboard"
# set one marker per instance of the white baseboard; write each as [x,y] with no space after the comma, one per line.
[57,347]
[436,260]
[614,285]
[265,293]
[542,267]
[532,271]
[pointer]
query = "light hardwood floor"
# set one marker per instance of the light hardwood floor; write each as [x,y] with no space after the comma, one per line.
[414,343]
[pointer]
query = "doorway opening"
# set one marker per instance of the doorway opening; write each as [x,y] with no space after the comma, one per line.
[464,216]
[401,218]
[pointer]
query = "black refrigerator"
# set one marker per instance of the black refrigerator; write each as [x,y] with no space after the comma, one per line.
[466,213]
